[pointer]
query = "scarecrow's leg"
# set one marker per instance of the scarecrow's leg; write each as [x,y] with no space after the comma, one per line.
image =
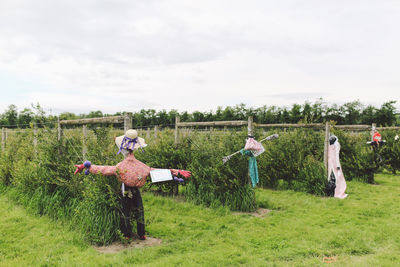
[138,211]
[125,224]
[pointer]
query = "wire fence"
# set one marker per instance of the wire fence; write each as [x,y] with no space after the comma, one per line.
[78,133]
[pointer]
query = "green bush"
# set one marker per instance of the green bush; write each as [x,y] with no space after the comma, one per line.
[312,177]
[390,151]
[165,154]
[285,157]
[215,183]
[356,157]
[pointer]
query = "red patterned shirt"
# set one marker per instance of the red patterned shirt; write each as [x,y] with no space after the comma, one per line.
[130,171]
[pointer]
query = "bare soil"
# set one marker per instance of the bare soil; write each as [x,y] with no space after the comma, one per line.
[258,213]
[118,246]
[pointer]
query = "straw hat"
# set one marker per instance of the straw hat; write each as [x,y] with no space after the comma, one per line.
[130,140]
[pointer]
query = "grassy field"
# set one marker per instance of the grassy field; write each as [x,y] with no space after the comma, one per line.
[301,229]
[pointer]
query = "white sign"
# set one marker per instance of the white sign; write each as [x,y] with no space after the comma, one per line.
[160,175]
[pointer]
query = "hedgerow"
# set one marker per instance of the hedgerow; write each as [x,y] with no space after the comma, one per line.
[44,180]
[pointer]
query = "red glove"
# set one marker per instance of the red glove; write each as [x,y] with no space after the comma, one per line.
[185,174]
[79,168]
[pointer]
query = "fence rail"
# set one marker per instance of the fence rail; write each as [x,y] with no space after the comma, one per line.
[111,119]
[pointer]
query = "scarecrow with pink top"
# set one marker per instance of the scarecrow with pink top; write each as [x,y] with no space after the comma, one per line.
[133,174]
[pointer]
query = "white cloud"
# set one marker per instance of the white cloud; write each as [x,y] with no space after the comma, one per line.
[88,55]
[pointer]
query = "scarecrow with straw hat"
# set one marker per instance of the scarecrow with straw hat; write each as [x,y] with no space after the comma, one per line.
[133,174]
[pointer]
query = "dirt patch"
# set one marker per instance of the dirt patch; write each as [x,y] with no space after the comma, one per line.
[118,246]
[258,213]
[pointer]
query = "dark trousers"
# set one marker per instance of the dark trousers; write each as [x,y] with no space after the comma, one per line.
[132,202]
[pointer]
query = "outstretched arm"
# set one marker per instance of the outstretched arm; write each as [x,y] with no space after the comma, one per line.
[103,170]
[96,169]
[184,173]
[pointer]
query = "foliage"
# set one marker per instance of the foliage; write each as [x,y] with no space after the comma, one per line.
[215,183]
[349,113]
[312,177]
[299,230]
[356,157]
[163,153]
[44,181]
[284,158]
[390,151]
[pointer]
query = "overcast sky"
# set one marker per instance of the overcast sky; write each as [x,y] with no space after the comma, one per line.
[84,55]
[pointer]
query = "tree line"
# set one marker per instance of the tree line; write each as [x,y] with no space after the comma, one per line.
[350,113]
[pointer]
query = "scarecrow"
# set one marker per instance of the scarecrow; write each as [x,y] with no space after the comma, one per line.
[376,144]
[133,174]
[377,140]
[252,149]
[336,183]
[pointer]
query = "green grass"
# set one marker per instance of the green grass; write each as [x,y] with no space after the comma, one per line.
[362,230]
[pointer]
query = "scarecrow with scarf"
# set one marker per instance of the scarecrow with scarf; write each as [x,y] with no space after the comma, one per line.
[252,149]
[133,174]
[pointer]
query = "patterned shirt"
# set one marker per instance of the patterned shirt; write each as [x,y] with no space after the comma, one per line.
[130,171]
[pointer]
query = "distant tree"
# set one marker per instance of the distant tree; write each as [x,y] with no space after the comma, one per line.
[241,112]
[386,115]
[68,116]
[295,113]
[352,112]
[318,111]
[334,113]
[199,116]
[40,115]
[228,114]
[95,114]
[285,116]
[25,117]
[307,113]
[162,117]
[11,116]
[368,115]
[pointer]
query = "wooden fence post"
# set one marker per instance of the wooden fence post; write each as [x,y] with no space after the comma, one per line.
[326,144]
[177,120]
[373,128]
[127,121]
[155,131]
[3,139]
[250,126]
[148,132]
[84,147]
[35,140]
[59,129]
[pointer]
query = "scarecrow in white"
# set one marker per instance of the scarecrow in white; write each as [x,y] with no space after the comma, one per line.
[335,173]
[132,173]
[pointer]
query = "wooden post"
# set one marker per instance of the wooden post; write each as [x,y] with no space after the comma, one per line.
[35,140]
[148,132]
[155,131]
[59,129]
[3,139]
[127,121]
[373,128]
[250,126]
[326,144]
[177,120]
[84,147]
